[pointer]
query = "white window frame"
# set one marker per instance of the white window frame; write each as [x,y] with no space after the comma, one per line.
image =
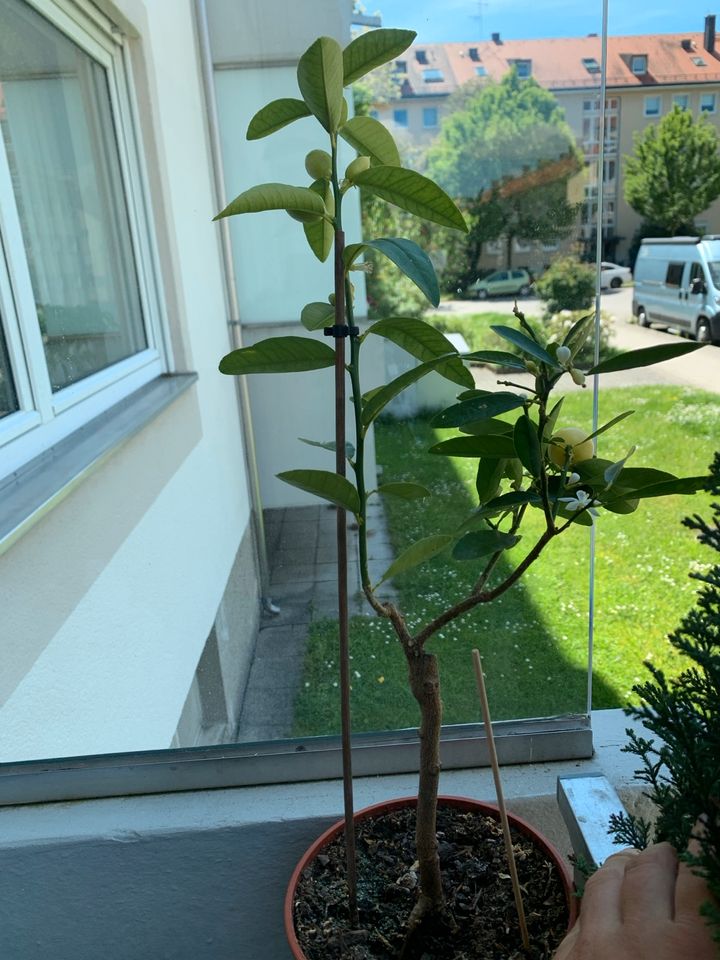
[681,100]
[712,99]
[652,113]
[44,417]
[639,64]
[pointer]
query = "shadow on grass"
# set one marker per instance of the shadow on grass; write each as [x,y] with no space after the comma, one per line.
[531,671]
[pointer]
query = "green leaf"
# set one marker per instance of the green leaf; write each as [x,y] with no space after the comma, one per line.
[613,471]
[412,192]
[527,444]
[666,488]
[481,543]
[380,398]
[320,234]
[320,78]
[481,428]
[500,357]
[622,506]
[487,479]
[610,423]
[326,485]
[371,139]
[416,554]
[525,344]
[645,357]
[275,196]
[502,504]
[592,471]
[329,445]
[478,408]
[552,418]
[633,478]
[276,115]
[581,517]
[317,315]
[413,261]
[424,342]
[371,49]
[405,490]
[488,446]
[578,334]
[279,355]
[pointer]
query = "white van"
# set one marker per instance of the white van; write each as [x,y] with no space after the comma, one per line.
[677,284]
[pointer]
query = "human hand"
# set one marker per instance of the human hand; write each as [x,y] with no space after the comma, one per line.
[641,906]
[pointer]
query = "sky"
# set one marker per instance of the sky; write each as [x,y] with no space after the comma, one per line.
[438,21]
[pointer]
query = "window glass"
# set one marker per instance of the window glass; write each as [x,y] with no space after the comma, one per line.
[707,103]
[60,143]
[652,106]
[400,117]
[8,396]
[674,274]
[430,117]
[681,100]
[639,64]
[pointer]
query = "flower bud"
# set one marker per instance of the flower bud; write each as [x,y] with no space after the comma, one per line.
[563,355]
[359,165]
[318,164]
[578,376]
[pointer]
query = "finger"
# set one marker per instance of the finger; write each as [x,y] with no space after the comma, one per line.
[601,901]
[690,893]
[567,948]
[649,885]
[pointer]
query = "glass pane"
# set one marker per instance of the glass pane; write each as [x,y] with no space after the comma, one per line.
[8,396]
[60,141]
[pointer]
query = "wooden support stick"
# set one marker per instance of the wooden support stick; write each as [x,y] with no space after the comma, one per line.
[500,798]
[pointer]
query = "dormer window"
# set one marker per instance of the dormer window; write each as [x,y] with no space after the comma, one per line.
[639,64]
[421,56]
[591,65]
[524,68]
[474,54]
[432,75]
[698,61]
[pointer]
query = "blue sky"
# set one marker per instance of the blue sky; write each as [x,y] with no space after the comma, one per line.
[446,20]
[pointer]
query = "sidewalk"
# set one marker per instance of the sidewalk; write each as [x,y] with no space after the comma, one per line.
[301,543]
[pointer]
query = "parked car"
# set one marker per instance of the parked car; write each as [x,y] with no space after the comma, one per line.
[501,283]
[613,275]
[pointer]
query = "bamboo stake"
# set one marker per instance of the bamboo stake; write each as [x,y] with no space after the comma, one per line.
[500,798]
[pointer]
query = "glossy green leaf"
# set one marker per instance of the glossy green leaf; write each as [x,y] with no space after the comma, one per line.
[592,471]
[524,342]
[500,357]
[578,334]
[371,139]
[276,115]
[326,485]
[279,355]
[372,49]
[581,517]
[375,403]
[321,233]
[413,261]
[645,357]
[622,506]
[610,423]
[481,428]
[666,488]
[478,408]
[317,315]
[488,477]
[274,196]
[552,419]
[424,342]
[416,554]
[527,444]
[488,446]
[633,478]
[502,504]
[329,445]
[320,78]
[412,192]
[481,543]
[405,489]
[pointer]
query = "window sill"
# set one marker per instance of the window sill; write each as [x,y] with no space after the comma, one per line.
[45,481]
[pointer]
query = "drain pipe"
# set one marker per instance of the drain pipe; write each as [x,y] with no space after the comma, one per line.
[233,309]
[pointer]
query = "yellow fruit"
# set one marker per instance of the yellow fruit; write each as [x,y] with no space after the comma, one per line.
[318,164]
[574,437]
[359,165]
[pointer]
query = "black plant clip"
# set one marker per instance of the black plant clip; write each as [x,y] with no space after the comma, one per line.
[341,330]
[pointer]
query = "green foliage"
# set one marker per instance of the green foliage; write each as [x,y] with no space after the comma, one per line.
[673,173]
[567,284]
[558,325]
[682,771]
[389,293]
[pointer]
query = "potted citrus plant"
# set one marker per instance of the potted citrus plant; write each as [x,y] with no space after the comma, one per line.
[527,459]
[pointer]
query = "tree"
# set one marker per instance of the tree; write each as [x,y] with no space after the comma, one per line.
[673,173]
[507,154]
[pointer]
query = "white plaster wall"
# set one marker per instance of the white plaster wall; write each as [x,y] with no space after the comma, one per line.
[108,601]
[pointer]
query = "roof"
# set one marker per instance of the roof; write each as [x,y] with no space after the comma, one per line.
[564,63]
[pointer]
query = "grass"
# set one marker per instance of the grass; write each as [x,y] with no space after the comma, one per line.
[534,638]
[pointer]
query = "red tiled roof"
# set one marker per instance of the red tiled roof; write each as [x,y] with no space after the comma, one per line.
[557,64]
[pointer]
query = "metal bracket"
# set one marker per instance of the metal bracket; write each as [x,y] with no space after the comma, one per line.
[586,803]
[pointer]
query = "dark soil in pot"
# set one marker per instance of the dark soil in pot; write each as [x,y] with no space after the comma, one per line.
[480,922]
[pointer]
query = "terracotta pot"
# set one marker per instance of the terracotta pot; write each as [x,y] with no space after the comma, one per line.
[462,803]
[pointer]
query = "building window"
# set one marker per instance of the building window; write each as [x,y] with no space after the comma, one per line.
[698,61]
[400,66]
[421,56]
[480,71]
[652,106]
[681,100]
[431,75]
[639,64]
[523,67]
[591,65]
[474,54]
[430,117]
[707,103]
[78,307]
[610,170]
[400,118]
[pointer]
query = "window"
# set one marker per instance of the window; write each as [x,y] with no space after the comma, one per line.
[493,247]
[591,65]
[681,100]
[430,117]
[673,278]
[698,61]
[421,56]
[400,118]
[480,71]
[79,328]
[400,66]
[523,67]
[591,105]
[639,64]
[432,75]
[474,54]
[707,103]
[652,106]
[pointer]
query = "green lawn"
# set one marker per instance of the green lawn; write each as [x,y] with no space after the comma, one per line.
[534,639]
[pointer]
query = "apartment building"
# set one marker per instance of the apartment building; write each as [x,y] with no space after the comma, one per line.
[646,77]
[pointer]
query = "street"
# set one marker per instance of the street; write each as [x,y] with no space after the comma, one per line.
[700,370]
